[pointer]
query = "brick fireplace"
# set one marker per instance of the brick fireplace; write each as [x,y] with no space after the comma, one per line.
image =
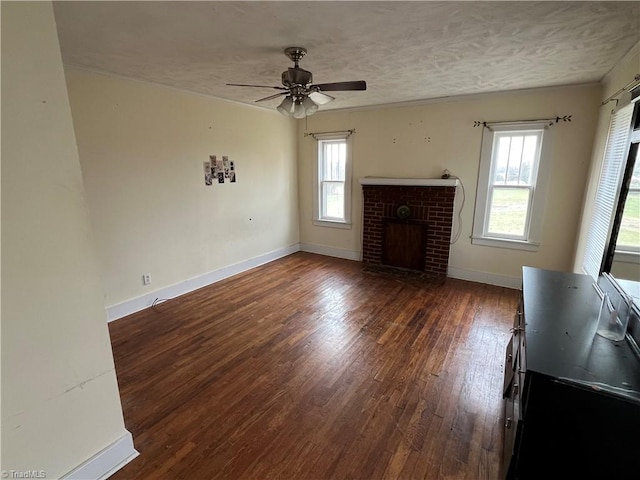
[426,228]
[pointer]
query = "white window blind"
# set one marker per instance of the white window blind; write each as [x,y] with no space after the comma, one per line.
[607,193]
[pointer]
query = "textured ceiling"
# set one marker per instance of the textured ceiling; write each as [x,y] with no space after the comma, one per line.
[405,51]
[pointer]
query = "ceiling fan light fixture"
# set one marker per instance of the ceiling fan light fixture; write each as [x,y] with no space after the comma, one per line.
[299,110]
[310,107]
[286,107]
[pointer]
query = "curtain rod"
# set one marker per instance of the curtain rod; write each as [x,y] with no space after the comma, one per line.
[551,121]
[347,132]
[630,86]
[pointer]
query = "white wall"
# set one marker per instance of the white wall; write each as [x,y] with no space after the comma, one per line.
[142,148]
[423,140]
[623,73]
[60,401]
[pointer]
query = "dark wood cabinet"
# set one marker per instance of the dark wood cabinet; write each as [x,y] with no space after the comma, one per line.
[571,397]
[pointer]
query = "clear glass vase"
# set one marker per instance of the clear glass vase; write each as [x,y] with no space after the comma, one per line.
[614,317]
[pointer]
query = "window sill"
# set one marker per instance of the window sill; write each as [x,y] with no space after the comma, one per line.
[505,243]
[328,223]
[627,257]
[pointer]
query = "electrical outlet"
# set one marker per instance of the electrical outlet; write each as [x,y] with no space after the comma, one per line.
[146,279]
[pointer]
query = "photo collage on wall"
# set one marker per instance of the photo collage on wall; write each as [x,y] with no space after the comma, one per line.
[219,171]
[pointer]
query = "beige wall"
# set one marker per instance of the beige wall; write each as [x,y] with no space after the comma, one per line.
[617,78]
[142,147]
[423,140]
[60,402]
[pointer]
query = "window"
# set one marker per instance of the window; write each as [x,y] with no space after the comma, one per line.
[629,233]
[512,186]
[333,182]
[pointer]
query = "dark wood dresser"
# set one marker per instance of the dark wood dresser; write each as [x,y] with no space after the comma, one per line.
[572,398]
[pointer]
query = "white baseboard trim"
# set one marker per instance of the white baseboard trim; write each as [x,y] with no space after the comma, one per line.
[330,251]
[106,462]
[134,305]
[485,277]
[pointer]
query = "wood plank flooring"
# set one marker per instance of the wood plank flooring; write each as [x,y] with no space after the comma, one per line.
[310,367]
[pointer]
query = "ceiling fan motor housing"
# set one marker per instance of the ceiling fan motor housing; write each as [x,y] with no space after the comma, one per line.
[296,76]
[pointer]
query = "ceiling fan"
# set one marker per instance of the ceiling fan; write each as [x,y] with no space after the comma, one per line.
[302,96]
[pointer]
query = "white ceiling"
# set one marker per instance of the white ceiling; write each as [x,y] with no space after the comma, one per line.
[405,51]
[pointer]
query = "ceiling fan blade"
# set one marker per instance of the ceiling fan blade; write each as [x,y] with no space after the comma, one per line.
[257,86]
[272,96]
[341,86]
[320,98]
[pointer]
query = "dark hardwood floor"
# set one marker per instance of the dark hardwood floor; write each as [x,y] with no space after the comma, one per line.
[310,367]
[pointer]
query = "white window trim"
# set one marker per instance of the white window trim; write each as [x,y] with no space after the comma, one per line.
[320,222]
[538,191]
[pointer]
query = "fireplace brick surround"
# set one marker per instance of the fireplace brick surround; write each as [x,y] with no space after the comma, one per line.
[431,202]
